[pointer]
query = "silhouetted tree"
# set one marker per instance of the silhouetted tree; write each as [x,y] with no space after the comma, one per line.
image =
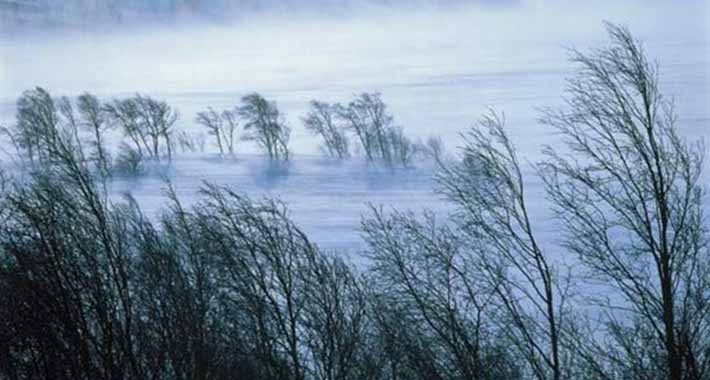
[380,139]
[425,270]
[322,120]
[95,118]
[222,125]
[367,117]
[630,197]
[147,122]
[61,253]
[488,189]
[264,124]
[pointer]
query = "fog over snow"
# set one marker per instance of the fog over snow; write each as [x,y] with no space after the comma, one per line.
[438,66]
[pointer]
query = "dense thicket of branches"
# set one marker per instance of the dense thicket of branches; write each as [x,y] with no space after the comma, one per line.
[230,287]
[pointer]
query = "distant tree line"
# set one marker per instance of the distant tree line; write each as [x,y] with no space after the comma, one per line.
[150,132]
[230,287]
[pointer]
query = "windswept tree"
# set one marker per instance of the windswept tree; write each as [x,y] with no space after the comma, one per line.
[403,149]
[368,119]
[264,124]
[323,120]
[303,313]
[488,189]
[336,321]
[147,122]
[381,140]
[434,148]
[43,122]
[212,120]
[125,114]
[158,119]
[62,259]
[424,269]
[230,118]
[221,125]
[95,118]
[628,190]
[36,126]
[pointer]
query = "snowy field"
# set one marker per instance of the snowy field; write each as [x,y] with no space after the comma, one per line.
[437,70]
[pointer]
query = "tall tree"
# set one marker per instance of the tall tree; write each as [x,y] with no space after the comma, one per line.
[628,190]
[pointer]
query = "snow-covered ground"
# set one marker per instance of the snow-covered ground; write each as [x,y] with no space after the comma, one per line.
[326,197]
[438,71]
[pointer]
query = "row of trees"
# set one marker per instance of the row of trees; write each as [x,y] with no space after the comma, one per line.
[232,288]
[148,125]
[149,131]
[364,125]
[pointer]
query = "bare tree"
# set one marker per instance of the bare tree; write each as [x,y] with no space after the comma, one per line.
[488,188]
[264,124]
[263,257]
[368,118]
[157,119]
[380,139]
[147,122]
[229,129]
[322,120]
[434,148]
[403,150]
[125,113]
[222,125]
[336,321]
[212,120]
[36,125]
[95,118]
[628,191]
[59,251]
[425,269]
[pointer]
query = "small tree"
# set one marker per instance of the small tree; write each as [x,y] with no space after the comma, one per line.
[95,118]
[125,113]
[158,120]
[264,124]
[322,120]
[212,120]
[148,122]
[367,117]
[381,140]
[229,129]
[403,149]
[36,126]
[222,125]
